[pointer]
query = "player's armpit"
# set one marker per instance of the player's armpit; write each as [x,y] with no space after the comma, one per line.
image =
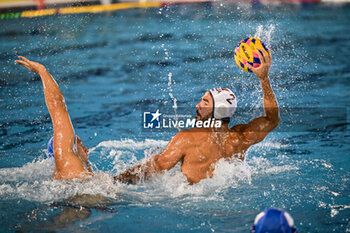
[172,154]
[256,130]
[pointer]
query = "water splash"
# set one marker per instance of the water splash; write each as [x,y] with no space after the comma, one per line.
[170,82]
[116,155]
[170,89]
[171,92]
[34,182]
[265,34]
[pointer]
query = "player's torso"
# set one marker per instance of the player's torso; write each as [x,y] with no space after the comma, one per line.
[207,149]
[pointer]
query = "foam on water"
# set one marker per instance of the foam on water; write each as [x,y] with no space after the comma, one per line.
[122,153]
[174,184]
[128,144]
[34,182]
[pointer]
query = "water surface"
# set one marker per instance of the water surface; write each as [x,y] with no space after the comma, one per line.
[110,66]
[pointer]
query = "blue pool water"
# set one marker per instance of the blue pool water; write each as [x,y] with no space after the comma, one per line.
[111,66]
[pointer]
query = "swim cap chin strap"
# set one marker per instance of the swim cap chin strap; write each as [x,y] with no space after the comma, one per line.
[224,103]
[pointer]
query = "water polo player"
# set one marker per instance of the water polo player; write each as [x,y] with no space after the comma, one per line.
[199,149]
[71,156]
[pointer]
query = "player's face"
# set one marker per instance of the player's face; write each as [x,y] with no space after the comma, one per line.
[204,107]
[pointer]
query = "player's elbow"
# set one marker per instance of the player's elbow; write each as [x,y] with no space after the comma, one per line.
[277,120]
[160,165]
[274,119]
[274,122]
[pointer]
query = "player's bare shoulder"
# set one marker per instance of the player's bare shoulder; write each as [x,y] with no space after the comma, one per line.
[236,134]
[193,135]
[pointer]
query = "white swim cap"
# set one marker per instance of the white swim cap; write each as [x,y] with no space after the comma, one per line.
[224,102]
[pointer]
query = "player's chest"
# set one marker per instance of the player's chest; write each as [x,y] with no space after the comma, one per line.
[204,154]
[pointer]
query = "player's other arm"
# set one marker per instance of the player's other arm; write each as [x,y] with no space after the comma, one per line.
[54,101]
[68,164]
[257,129]
[165,160]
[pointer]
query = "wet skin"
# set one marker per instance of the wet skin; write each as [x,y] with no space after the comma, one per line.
[199,149]
[69,163]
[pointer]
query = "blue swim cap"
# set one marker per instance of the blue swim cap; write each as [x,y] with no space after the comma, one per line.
[50,148]
[273,220]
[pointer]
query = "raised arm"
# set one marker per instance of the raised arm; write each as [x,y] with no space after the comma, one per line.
[167,159]
[53,97]
[257,129]
[68,164]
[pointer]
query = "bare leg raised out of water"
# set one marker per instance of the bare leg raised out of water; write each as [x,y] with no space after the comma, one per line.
[70,163]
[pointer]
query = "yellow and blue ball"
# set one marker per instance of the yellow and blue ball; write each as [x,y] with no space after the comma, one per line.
[247,52]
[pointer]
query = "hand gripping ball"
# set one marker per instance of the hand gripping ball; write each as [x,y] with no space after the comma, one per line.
[247,51]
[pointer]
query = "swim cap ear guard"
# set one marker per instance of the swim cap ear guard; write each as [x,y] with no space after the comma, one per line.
[224,103]
[273,220]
